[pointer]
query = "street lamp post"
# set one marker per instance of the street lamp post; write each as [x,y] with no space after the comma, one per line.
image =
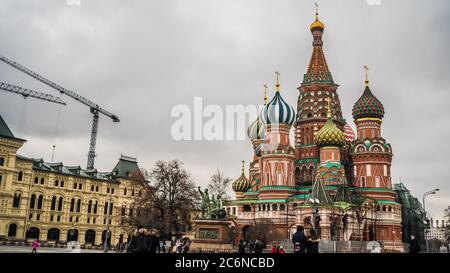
[424,209]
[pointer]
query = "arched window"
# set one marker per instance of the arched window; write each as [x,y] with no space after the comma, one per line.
[20,176]
[32,233]
[16,201]
[12,230]
[95,207]
[111,206]
[89,237]
[78,205]
[247,208]
[56,183]
[89,206]
[105,211]
[125,191]
[132,192]
[32,201]
[53,204]
[2,161]
[274,207]
[122,212]
[60,204]
[53,234]
[72,204]
[282,207]
[40,201]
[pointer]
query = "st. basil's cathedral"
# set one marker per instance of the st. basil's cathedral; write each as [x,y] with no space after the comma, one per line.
[329,179]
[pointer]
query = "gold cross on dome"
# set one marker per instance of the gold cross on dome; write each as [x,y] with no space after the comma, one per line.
[317,8]
[278,83]
[243,165]
[367,75]
[265,93]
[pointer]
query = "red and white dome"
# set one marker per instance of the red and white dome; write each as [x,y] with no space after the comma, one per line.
[349,134]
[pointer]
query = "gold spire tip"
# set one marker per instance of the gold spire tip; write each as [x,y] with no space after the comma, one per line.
[317,9]
[243,165]
[278,83]
[367,75]
[265,94]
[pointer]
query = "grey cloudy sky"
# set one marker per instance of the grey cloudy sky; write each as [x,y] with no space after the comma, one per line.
[139,58]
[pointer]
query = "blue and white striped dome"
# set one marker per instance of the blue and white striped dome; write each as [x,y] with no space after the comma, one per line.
[277,111]
[256,130]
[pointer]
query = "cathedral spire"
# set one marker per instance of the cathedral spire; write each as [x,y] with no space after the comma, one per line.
[277,86]
[265,94]
[367,75]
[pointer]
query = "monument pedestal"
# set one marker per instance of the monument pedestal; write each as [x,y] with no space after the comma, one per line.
[212,234]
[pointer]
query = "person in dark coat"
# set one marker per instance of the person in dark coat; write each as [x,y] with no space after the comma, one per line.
[414,246]
[299,240]
[312,244]
[154,242]
[258,246]
[241,246]
[140,242]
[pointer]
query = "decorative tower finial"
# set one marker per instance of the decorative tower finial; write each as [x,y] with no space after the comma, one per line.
[317,10]
[243,165]
[265,94]
[329,108]
[278,83]
[367,75]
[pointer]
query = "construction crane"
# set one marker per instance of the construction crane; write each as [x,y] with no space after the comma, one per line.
[30,93]
[94,108]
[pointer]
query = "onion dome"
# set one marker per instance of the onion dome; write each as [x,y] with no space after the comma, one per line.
[368,106]
[349,135]
[256,130]
[317,25]
[278,111]
[330,134]
[242,184]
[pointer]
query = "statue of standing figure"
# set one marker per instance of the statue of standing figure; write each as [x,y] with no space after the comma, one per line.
[206,202]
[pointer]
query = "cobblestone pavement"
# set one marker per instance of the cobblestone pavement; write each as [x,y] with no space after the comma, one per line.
[27,249]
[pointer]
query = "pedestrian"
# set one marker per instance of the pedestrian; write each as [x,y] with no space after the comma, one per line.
[178,246]
[281,251]
[414,246]
[443,249]
[154,242]
[258,245]
[299,240]
[312,244]
[241,248]
[274,249]
[35,246]
[140,242]
[250,246]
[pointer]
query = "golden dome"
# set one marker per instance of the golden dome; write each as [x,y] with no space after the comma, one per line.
[330,134]
[317,24]
[242,184]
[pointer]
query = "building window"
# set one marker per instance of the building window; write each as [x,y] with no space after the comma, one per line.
[58,218]
[95,207]
[32,201]
[56,183]
[60,204]
[53,204]
[132,192]
[76,219]
[2,161]
[36,180]
[78,205]
[112,191]
[80,186]
[40,201]
[30,216]
[122,212]
[107,190]
[92,188]
[16,201]
[51,218]
[131,212]
[93,221]
[62,184]
[104,221]
[111,208]
[96,188]
[70,219]
[105,211]
[20,176]
[89,206]
[42,181]
[72,205]
[88,220]
[75,186]
[125,191]
[38,217]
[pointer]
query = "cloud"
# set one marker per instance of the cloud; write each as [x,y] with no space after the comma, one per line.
[138,59]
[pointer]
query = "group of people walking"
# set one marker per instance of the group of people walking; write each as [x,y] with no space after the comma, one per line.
[143,241]
[250,246]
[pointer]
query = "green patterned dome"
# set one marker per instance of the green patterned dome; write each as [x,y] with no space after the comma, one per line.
[368,106]
[329,135]
[242,184]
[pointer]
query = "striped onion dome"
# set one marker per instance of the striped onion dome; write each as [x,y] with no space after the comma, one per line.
[256,130]
[329,135]
[242,184]
[349,134]
[277,111]
[368,106]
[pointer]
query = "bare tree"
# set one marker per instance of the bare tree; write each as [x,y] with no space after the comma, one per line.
[166,198]
[447,224]
[219,184]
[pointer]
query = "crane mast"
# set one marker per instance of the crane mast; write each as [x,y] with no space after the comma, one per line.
[94,108]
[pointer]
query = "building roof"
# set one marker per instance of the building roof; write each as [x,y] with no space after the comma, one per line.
[4,129]
[126,166]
